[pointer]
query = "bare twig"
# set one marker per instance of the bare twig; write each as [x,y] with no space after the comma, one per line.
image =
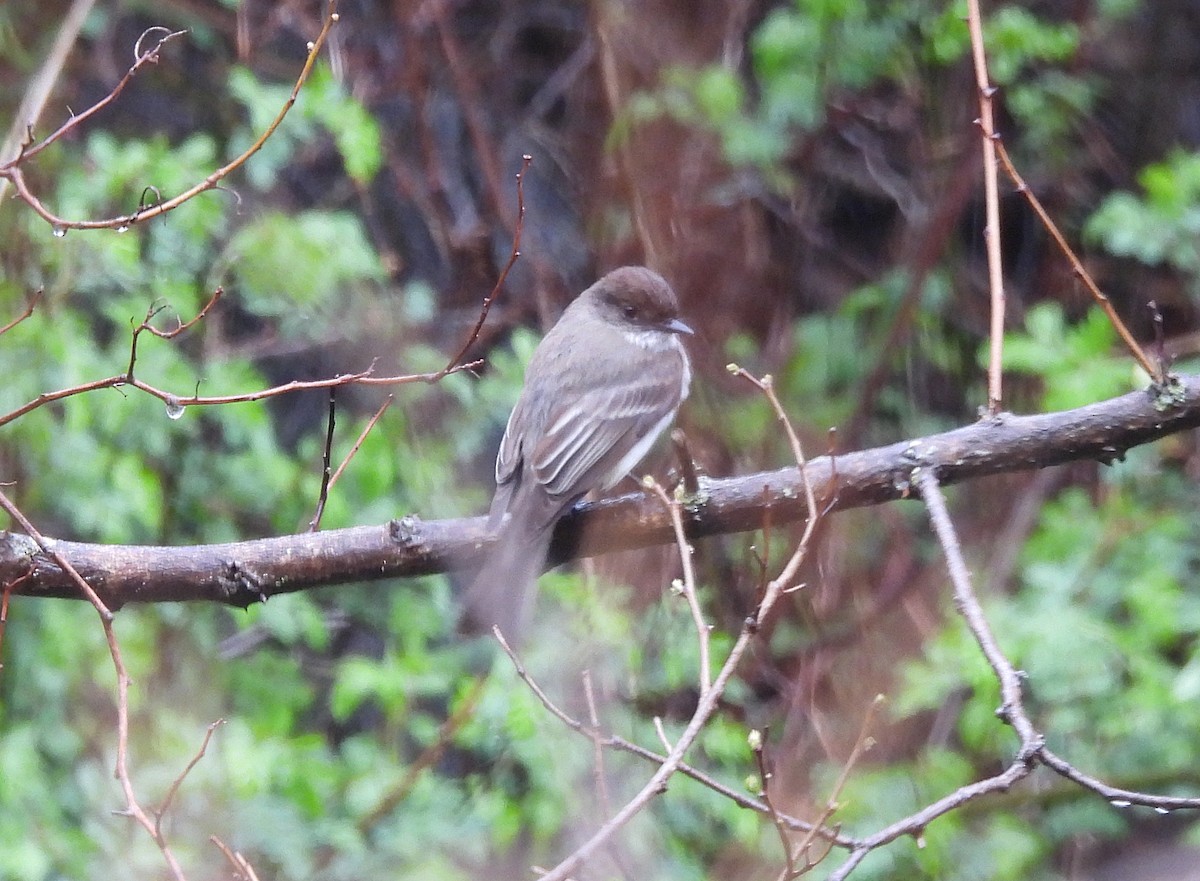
[968,606]
[365,377]
[599,774]
[687,465]
[180,326]
[6,593]
[29,307]
[12,170]
[662,734]
[1157,372]
[597,745]
[687,585]
[862,744]
[50,550]
[162,809]
[241,866]
[362,436]
[766,385]
[758,740]
[1012,710]
[1115,795]
[453,364]
[991,232]
[141,59]
[326,468]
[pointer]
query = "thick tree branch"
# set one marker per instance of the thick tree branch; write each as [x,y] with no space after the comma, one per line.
[246,572]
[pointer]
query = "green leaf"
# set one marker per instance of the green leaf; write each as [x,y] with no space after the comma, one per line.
[296,265]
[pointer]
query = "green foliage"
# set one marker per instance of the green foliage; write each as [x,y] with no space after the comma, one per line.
[800,54]
[283,266]
[324,105]
[1161,226]
[1014,36]
[806,54]
[1047,110]
[1047,103]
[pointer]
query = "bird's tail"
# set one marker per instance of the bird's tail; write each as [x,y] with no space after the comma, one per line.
[503,592]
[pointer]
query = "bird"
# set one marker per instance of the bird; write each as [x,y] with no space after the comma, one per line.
[602,385]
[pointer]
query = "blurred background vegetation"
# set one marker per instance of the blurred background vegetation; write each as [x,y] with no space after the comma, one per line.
[806,174]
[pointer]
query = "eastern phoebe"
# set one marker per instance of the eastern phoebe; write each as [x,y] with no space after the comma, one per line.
[601,386]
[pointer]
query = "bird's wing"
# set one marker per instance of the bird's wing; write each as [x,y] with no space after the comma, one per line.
[589,437]
[509,461]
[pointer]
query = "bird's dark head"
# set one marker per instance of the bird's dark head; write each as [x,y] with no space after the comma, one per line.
[637,298]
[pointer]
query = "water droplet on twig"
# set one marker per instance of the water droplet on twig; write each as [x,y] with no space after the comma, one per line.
[174,408]
[59,231]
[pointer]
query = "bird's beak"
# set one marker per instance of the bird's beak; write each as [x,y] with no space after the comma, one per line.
[677,326]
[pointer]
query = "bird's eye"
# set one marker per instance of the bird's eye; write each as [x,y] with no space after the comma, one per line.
[630,311]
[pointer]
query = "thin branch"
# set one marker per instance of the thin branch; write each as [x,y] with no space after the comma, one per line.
[153,310]
[915,824]
[365,377]
[13,172]
[162,809]
[180,324]
[1031,750]
[1158,371]
[766,385]
[758,748]
[29,307]
[662,735]
[599,774]
[50,550]
[1115,795]
[141,59]
[687,585]
[969,608]
[6,593]
[991,232]
[241,866]
[601,779]
[326,467]
[862,744]
[1012,710]
[177,403]
[687,464]
[362,436]
[453,363]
